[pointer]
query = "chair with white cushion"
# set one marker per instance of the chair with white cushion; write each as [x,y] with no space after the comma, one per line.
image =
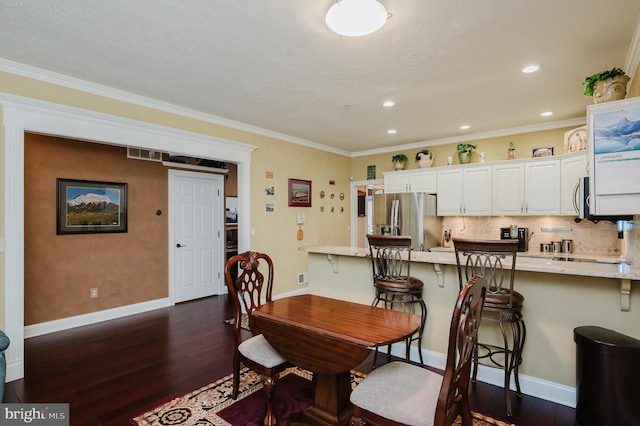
[400,393]
[249,291]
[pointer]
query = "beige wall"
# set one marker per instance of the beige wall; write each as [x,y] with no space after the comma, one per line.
[495,149]
[275,232]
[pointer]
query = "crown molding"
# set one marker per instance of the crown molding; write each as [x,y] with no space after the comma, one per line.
[633,55]
[120,95]
[477,136]
[111,93]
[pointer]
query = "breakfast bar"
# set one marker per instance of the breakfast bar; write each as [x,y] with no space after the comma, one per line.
[561,294]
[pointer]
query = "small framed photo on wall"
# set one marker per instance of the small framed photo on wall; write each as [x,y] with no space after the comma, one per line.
[299,193]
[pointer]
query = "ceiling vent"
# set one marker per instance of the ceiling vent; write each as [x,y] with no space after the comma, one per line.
[144,154]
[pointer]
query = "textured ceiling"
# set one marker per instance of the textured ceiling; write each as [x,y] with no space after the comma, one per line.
[275,65]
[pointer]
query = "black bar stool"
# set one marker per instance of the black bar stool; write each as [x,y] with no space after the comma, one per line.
[496,261]
[391,264]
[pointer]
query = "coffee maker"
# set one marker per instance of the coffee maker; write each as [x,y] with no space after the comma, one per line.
[514,233]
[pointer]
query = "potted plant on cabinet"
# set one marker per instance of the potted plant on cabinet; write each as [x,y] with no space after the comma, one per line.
[399,161]
[424,158]
[464,152]
[606,86]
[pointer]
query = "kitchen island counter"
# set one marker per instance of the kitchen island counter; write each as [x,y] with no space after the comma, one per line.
[529,261]
[559,296]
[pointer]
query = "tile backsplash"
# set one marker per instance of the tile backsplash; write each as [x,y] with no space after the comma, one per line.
[589,239]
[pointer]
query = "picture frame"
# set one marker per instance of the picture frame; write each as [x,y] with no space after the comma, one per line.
[299,193]
[544,151]
[90,207]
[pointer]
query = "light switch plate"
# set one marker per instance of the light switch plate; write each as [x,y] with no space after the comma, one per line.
[300,218]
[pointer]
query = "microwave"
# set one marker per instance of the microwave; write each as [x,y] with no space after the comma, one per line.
[584,205]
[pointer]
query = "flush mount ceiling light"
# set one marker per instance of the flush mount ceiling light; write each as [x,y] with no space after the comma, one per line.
[354,18]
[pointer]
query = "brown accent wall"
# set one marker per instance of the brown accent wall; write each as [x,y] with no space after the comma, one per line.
[126,268]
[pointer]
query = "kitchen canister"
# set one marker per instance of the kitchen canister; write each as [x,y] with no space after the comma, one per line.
[556,246]
[567,246]
[545,247]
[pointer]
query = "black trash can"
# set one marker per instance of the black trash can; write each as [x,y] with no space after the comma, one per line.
[607,377]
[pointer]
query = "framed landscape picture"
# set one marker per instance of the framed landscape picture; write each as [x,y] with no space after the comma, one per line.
[85,207]
[299,193]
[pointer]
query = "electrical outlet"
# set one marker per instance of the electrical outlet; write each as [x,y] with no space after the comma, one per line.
[93,293]
[302,278]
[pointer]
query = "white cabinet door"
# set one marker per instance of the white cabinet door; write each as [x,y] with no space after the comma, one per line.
[449,193]
[542,188]
[423,181]
[464,191]
[508,189]
[571,170]
[396,182]
[410,181]
[477,191]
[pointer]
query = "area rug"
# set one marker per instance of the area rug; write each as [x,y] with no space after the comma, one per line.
[212,405]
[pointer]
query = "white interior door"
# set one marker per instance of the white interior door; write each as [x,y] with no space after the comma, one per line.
[197,242]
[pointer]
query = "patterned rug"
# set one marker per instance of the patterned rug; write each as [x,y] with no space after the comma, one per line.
[212,405]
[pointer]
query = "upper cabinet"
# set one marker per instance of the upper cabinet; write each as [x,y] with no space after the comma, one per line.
[527,188]
[464,191]
[421,180]
[571,170]
[542,188]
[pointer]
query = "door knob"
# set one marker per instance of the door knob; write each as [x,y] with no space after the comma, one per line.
[180,245]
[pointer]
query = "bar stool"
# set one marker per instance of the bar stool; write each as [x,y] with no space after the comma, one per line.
[391,265]
[496,261]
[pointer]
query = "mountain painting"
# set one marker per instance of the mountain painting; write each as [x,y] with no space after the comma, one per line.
[617,131]
[86,206]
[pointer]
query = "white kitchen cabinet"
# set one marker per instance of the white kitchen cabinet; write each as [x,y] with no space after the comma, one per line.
[542,188]
[422,180]
[508,189]
[464,191]
[571,170]
[527,188]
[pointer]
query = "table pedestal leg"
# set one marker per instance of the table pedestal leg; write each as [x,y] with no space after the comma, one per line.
[331,405]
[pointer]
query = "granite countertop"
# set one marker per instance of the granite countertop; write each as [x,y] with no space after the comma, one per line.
[574,264]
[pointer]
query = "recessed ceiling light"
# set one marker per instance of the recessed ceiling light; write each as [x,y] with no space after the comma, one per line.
[465,127]
[392,131]
[388,103]
[546,114]
[531,68]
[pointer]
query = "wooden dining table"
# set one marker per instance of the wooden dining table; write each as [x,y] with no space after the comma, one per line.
[329,337]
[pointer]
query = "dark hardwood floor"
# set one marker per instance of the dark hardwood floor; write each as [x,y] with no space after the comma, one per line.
[112,371]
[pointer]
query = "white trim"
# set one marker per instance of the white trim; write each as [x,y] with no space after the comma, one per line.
[108,92]
[20,114]
[96,89]
[633,55]
[539,388]
[93,318]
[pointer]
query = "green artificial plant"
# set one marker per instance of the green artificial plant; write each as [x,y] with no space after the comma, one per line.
[590,82]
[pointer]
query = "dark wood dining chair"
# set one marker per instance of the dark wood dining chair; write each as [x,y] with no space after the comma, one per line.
[496,261]
[248,291]
[393,283]
[400,393]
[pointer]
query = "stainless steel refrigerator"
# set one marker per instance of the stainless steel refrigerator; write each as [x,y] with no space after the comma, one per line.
[412,214]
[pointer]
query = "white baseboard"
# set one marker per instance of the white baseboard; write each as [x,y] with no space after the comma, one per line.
[92,318]
[110,314]
[533,386]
